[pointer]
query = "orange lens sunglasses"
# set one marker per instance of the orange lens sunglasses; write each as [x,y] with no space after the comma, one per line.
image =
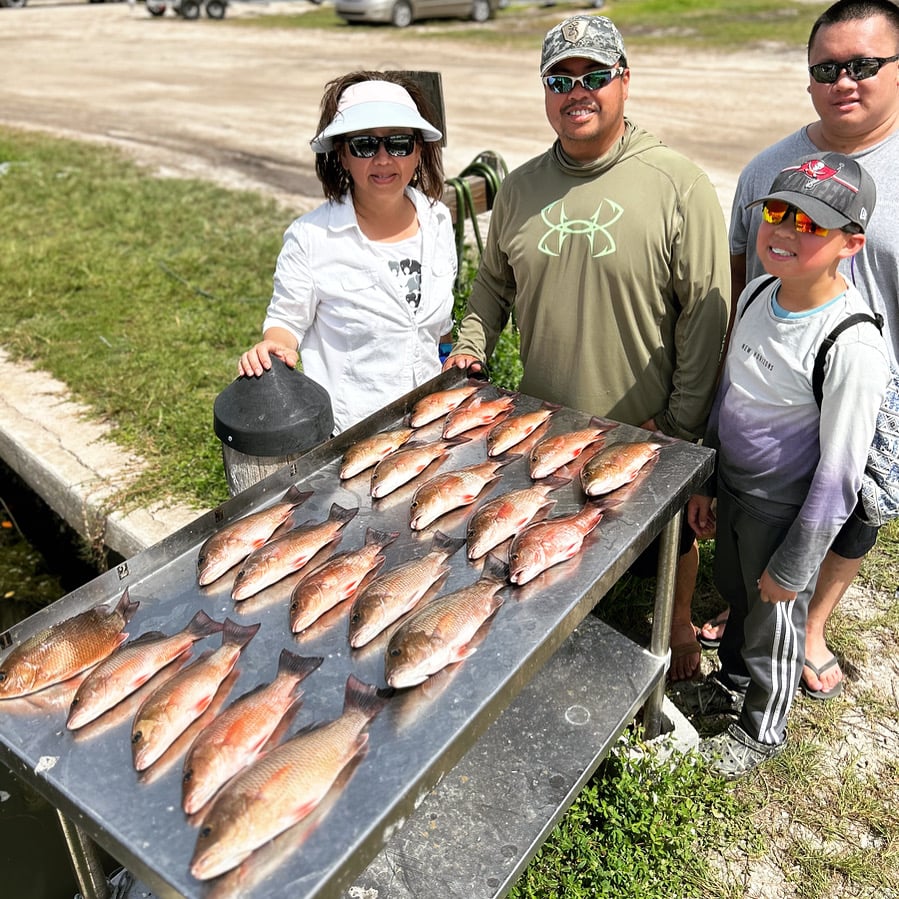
[773,212]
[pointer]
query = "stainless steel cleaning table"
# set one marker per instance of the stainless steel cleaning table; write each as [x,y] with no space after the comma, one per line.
[510,784]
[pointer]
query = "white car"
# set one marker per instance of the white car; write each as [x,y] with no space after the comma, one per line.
[404,12]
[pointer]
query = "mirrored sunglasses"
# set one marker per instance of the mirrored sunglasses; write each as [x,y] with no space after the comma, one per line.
[592,81]
[366,146]
[859,69]
[773,212]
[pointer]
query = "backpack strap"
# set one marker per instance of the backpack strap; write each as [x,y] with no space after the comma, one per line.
[818,371]
[765,282]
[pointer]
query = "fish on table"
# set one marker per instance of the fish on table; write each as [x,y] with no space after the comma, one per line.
[435,405]
[62,650]
[440,633]
[370,450]
[131,666]
[452,489]
[336,580]
[284,785]
[408,462]
[234,542]
[167,712]
[616,465]
[546,543]
[476,412]
[239,734]
[390,595]
[289,552]
[513,430]
[506,515]
[556,450]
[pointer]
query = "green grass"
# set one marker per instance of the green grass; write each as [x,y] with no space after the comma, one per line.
[720,25]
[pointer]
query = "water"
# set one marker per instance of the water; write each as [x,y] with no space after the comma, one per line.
[40,561]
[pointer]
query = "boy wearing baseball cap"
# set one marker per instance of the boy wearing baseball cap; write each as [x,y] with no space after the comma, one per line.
[789,466]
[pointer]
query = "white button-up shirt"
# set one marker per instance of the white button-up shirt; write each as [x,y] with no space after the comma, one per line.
[357,335]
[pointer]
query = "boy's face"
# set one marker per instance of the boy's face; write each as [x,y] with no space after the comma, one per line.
[789,253]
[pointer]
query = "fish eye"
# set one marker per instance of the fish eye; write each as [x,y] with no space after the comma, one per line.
[396,652]
[355,617]
[75,701]
[293,606]
[188,776]
[2,676]
[137,737]
[206,831]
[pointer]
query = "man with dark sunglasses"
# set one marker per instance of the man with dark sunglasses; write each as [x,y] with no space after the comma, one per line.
[610,248]
[853,57]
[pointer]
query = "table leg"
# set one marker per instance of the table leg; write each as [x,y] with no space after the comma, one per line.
[85,860]
[661,620]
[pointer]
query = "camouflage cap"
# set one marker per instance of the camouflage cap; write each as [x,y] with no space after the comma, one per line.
[587,37]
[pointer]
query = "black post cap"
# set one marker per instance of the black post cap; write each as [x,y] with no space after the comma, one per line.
[279,413]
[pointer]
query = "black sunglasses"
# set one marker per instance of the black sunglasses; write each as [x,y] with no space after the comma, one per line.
[859,69]
[366,146]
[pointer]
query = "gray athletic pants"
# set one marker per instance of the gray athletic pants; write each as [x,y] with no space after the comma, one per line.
[763,648]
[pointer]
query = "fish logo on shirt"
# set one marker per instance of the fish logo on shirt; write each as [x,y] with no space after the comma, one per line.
[594,229]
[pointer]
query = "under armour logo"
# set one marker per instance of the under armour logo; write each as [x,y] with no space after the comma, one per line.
[593,229]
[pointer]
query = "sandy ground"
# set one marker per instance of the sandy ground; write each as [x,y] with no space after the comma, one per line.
[240,105]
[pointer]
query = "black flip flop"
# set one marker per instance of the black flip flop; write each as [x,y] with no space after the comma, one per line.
[708,642]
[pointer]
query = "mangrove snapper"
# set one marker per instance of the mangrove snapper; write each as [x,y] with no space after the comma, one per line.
[63,650]
[371,450]
[239,734]
[389,596]
[131,666]
[284,786]
[289,552]
[234,542]
[167,712]
[336,580]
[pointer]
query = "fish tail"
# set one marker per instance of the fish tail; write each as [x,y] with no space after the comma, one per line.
[382,538]
[238,634]
[339,513]
[201,625]
[446,544]
[362,697]
[297,497]
[126,606]
[495,568]
[297,666]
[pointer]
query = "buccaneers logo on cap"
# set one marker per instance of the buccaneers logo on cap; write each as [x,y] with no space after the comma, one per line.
[816,170]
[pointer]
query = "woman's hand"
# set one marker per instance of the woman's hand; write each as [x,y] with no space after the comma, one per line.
[258,359]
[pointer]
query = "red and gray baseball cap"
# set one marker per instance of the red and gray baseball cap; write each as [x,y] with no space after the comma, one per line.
[832,189]
[583,37]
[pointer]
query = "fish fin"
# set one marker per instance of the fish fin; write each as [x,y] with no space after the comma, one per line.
[555,481]
[238,634]
[457,441]
[506,458]
[201,625]
[297,665]
[602,424]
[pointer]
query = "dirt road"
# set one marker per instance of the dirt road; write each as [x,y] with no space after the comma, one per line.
[239,105]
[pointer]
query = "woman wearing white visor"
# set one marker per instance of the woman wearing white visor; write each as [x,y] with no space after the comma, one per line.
[363,288]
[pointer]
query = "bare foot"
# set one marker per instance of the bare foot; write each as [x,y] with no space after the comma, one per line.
[826,673]
[686,653]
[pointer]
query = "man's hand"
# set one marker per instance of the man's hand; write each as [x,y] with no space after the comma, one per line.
[770,591]
[469,363]
[700,516]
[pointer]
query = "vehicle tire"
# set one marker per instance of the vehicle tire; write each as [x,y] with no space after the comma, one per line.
[215,9]
[189,9]
[401,14]
[156,7]
[481,11]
